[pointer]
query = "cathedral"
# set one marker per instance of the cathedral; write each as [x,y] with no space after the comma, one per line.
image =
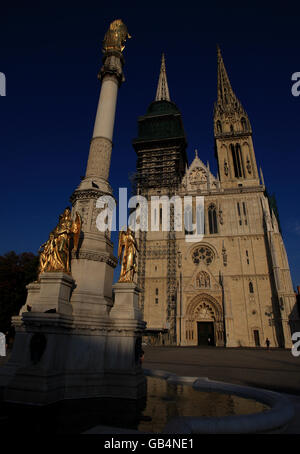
[233,287]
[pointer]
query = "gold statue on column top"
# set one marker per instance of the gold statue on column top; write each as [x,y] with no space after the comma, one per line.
[127,247]
[55,252]
[116,36]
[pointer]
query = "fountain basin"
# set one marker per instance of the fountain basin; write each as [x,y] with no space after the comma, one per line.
[275,413]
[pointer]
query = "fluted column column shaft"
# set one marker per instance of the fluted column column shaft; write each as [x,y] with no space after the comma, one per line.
[105,117]
[101,145]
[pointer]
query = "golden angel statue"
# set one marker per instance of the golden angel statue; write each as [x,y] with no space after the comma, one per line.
[55,253]
[127,254]
[116,36]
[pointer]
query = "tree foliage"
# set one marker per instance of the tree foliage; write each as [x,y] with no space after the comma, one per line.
[16,271]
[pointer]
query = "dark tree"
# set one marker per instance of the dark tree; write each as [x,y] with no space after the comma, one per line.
[16,271]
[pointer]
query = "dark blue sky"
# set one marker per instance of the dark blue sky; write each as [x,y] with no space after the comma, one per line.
[51,53]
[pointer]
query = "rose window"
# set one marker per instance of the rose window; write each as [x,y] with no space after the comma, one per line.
[203,254]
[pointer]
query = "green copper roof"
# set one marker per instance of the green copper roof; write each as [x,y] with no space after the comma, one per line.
[162,121]
[162,108]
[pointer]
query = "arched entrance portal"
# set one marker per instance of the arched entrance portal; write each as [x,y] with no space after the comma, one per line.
[204,322]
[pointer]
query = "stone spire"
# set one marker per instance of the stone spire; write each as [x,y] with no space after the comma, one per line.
[227,100]
[236,160]
[228,108]
[162,92]
[228,105]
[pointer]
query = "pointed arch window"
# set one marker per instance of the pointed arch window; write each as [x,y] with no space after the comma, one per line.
[212,219]
[200,224]
[251,289]
[236,153]
[219,127]
[188,220]
[156,296]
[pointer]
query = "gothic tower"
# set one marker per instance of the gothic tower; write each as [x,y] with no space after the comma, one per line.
[233,136]
[161,163]
[161,142]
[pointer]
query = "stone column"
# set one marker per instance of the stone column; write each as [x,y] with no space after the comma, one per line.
[97,171]
[92,267]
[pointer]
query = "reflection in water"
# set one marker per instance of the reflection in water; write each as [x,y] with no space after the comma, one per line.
[166,401]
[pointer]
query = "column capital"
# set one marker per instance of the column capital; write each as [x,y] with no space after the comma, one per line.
[113,62]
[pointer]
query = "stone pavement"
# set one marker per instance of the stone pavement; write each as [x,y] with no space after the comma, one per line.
[276,370]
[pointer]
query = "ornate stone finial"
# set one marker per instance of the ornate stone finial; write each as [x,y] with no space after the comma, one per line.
[262,177]
[115,37]
[196,153]
[162,92]
[224,254]
[208,176]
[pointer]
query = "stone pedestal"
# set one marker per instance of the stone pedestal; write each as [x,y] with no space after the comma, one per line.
[126,301]
[60,356]
[34,373]
[52,293]
[124,344]
[33,294]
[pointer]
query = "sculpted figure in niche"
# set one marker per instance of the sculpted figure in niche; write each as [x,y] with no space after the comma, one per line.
[203,280]
[198,175]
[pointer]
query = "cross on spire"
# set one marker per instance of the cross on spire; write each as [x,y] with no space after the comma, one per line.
[162,92]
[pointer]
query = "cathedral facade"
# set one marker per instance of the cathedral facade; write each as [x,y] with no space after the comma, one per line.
[233,286]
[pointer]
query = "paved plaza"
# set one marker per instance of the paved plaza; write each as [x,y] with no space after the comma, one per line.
[274,369]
